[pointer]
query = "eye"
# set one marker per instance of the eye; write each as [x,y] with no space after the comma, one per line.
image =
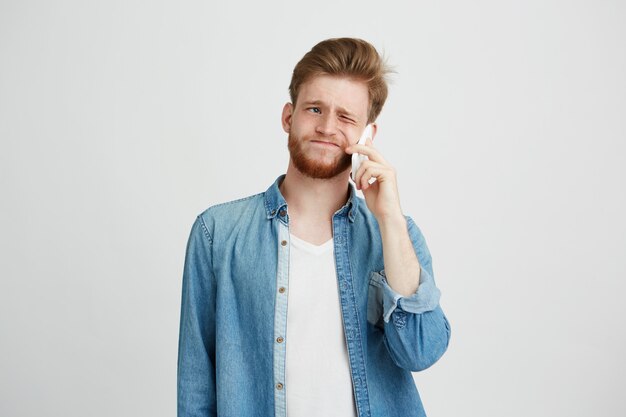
[314,110]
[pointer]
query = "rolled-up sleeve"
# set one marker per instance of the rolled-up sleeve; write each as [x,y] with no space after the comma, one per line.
[426,298]
[417,333]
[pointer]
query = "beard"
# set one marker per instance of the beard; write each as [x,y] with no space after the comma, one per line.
[315,168]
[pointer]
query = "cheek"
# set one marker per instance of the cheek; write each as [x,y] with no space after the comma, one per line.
[351,134]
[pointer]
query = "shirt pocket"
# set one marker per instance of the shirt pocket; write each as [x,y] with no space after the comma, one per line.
[375,300]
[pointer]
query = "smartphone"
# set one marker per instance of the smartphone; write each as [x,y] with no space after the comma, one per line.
[357,158]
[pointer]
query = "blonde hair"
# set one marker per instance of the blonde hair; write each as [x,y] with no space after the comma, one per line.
[347,57]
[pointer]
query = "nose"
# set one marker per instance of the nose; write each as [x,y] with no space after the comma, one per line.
[327,125]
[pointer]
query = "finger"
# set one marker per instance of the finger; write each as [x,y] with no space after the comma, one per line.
[370,151]
[370,176]
[359,173]
[367,173]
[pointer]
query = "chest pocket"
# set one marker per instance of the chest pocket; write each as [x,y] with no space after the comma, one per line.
[375,300]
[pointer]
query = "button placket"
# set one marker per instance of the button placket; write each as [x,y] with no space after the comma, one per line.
[280,316]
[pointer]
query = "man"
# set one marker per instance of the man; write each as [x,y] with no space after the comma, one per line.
[307,300]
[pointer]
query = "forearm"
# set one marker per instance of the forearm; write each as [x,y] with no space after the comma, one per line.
[415,329]
[402,268]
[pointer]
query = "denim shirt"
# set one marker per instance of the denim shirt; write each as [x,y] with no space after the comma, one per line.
[232,344]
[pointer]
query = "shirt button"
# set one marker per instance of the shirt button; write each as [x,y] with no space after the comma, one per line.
[284,243]
[282,213]
[280,339]
[279,386]
[281,290]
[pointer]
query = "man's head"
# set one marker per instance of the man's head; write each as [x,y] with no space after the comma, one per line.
[337,88]
[345,57]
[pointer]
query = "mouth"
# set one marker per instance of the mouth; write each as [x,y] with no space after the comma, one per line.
[324,143]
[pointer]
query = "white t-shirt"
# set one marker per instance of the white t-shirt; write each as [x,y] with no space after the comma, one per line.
[318,379]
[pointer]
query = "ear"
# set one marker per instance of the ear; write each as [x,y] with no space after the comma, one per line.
[374,130]
[286,117]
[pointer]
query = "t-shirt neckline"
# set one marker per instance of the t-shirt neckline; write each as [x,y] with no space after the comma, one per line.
[310,247]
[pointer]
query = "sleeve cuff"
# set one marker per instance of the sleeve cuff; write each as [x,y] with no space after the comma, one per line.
[426,298]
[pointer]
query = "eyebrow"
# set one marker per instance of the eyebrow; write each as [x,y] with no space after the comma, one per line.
[339,108]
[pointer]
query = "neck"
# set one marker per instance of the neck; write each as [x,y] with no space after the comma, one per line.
[312,198]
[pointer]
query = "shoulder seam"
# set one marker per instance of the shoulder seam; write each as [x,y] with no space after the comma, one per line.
[205,229]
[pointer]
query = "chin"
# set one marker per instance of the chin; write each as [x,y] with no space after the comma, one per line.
[316,170]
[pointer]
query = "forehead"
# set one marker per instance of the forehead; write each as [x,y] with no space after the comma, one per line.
[335,91]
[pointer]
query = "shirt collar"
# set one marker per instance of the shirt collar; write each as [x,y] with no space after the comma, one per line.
[275,202]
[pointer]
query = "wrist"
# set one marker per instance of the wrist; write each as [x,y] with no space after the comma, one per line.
[395,220]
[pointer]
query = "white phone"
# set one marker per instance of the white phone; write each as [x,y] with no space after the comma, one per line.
[357,158]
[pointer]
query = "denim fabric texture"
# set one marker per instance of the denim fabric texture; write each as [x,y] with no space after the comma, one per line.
[232,345]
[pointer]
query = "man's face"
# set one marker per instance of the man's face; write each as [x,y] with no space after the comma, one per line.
[330,114]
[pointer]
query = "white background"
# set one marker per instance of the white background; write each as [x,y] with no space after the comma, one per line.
[120,121]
